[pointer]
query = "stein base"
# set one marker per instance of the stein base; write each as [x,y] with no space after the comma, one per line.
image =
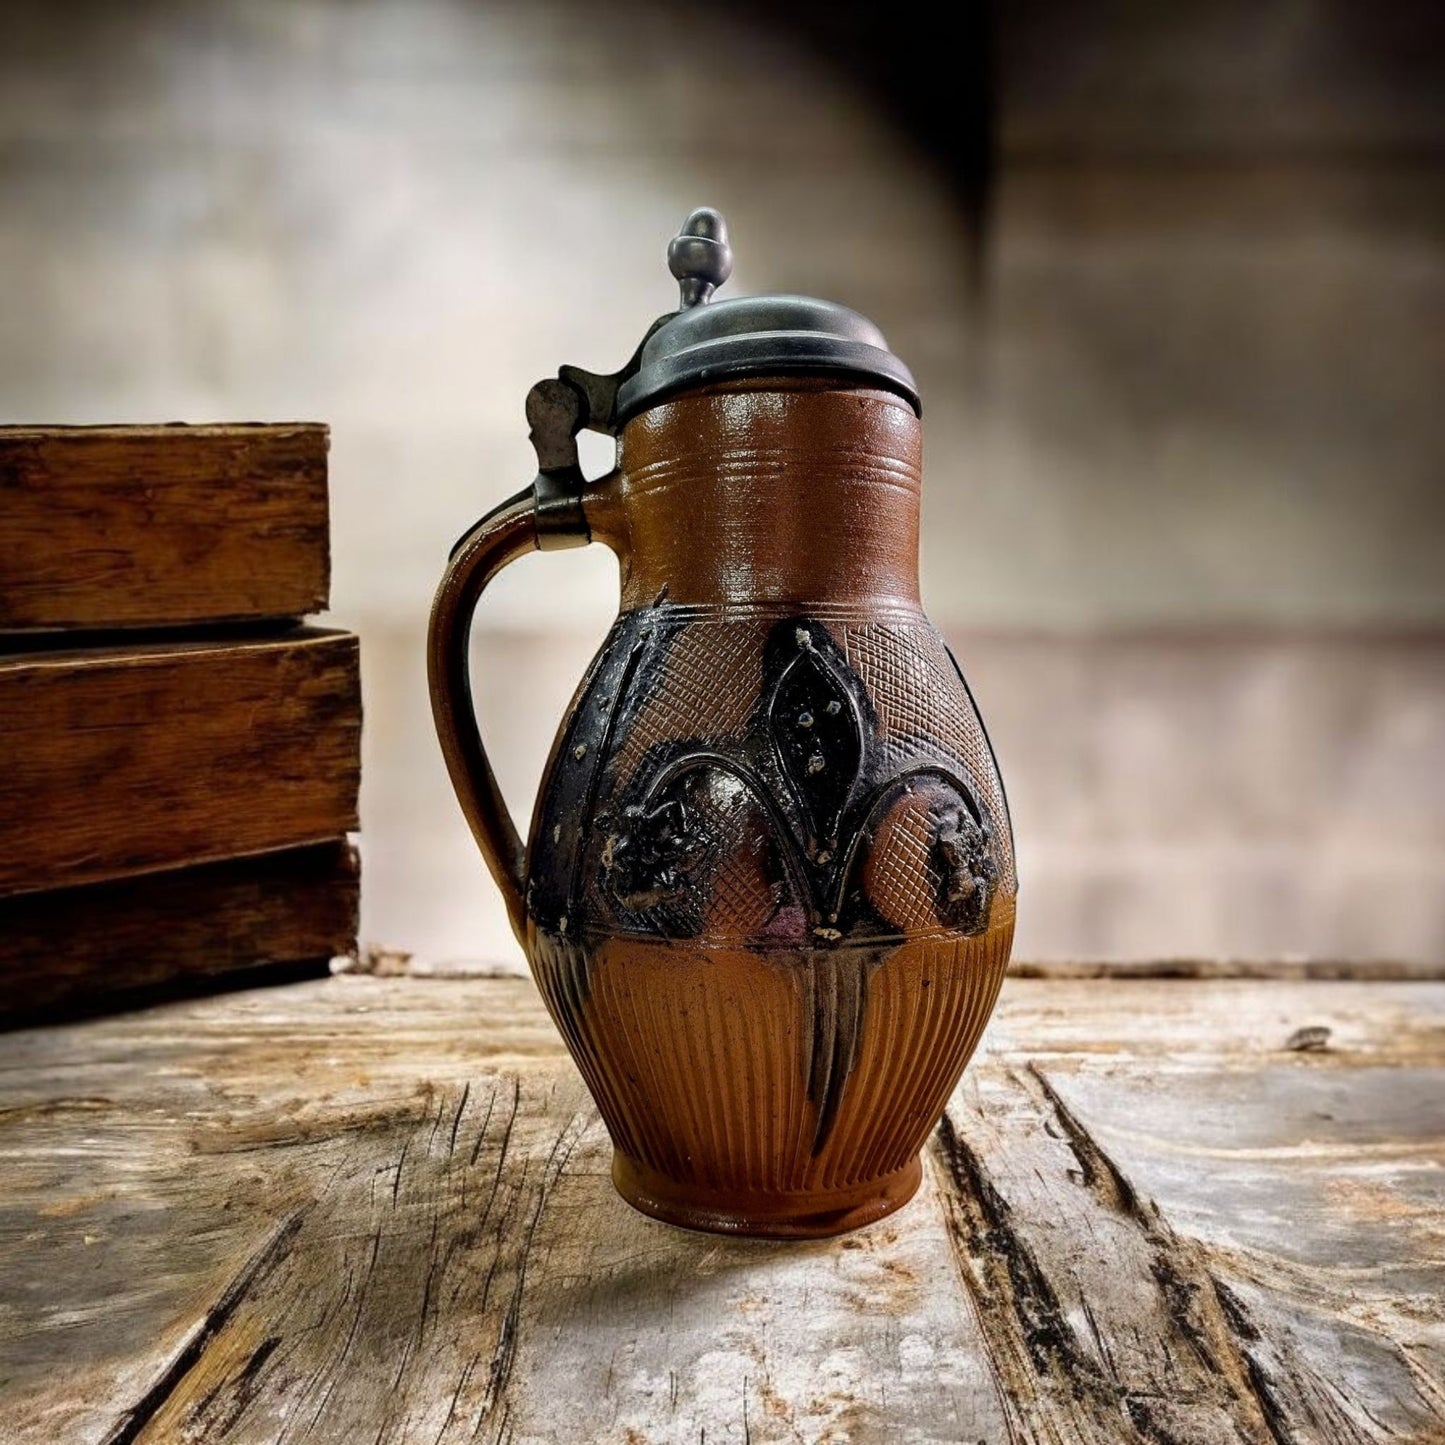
[813,1215]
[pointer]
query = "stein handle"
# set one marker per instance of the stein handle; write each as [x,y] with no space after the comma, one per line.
[546,516]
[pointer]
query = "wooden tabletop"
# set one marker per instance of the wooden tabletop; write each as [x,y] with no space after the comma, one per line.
[372,1209]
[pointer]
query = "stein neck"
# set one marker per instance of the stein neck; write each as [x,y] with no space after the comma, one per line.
[773,491]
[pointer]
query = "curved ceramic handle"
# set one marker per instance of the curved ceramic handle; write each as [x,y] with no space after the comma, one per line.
[546,516]
[502,536]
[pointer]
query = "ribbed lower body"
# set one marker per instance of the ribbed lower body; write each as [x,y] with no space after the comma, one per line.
[771,1092]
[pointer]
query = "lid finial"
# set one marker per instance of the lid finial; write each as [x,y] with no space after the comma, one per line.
[699,256]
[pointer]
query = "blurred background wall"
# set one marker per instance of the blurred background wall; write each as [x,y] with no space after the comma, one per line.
[1172,279]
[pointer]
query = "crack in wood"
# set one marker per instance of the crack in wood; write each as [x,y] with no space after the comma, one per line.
[1056,1387]
[1018,1309]
[457,1118]
[504,1356]
[1190,1292]
[1100,1173]
[262,1263]
[1247,1334]
[242,1389]
[466,1376]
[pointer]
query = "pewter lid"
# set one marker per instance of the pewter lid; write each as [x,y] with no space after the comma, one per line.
[705,341]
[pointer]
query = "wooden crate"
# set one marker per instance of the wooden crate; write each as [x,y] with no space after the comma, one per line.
[75,948]
[179,758]
[120,761]
[161,526]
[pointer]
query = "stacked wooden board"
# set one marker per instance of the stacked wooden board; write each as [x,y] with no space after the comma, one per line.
[179,752]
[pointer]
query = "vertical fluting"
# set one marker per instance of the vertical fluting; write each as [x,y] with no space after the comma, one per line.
[699,1059]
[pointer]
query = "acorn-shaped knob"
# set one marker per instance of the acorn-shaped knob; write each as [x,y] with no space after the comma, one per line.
[699,256]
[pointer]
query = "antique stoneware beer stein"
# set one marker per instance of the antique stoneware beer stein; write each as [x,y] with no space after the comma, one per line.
[768,894]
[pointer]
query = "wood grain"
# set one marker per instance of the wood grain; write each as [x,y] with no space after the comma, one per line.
[70,948]
[126,526]
[123,761]
[377,1209]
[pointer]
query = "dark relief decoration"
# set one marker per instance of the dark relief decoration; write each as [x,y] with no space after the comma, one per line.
[649,853]
[963,844]
[815,767]
[818,736]
[766,833]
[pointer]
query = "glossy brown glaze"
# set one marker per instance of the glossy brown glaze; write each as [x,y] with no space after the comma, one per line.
[502,536]
[769,890]
[767,492]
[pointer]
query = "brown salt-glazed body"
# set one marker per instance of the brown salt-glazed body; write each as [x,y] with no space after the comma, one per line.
[769,890]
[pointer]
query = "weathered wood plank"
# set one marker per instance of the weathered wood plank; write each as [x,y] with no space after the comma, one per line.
[1147,1026]
[159,755]
[440,1199]
[482,1282]
[377,1208]
[630,1333]
[1312,1197]
[68,949]
[1102,1325]
[149,1159]
[129,526]
[392,1310]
